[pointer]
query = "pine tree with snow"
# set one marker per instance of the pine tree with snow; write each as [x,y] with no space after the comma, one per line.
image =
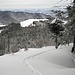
[56,29]
[71,25]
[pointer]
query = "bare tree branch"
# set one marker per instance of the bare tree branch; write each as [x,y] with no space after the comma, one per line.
[59,1]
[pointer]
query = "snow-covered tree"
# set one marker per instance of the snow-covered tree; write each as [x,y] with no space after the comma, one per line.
[71,25]
[56,28]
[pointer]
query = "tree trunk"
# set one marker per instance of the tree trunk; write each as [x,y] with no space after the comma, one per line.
[8,43]
[73,1]
[73,48]
[56,41]
[74,43]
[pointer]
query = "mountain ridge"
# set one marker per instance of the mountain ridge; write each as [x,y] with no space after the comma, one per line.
[8,17]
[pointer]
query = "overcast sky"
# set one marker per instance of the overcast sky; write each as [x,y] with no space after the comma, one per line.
[23,4]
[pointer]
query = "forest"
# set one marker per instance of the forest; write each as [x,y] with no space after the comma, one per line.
[45,33]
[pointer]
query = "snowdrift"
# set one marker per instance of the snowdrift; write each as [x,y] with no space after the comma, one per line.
[40,61]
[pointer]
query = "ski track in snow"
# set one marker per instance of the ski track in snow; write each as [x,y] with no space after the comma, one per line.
[35,71]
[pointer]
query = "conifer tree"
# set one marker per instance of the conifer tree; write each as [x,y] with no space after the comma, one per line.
[71,25]
[56,29]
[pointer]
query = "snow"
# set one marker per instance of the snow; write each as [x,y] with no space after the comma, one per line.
[2,25]
[28,22]
[54,20]
[1,31]
[39,61]
[65,22]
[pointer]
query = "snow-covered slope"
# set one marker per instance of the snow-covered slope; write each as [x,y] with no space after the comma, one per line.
[40,61]
[2,26]
[54,20]
[28,22]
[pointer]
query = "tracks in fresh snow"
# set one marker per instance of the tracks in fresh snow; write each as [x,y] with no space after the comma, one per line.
[35,71]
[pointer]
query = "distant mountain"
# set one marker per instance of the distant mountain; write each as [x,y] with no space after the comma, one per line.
[44,11]
[38,10]
[8,17]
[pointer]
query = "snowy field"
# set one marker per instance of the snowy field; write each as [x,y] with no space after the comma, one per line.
[39,61]
[26,23]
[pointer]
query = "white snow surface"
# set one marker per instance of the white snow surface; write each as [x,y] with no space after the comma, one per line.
[39,61]
[1,31]
[26,23]
[2,25]
[54,20]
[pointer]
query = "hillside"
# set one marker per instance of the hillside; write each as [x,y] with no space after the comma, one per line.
[33,36]
[35,33]
[8,17]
